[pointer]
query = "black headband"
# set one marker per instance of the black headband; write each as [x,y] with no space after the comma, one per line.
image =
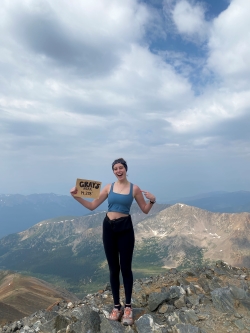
[120,161]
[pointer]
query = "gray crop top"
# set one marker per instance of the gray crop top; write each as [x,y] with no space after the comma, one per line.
[120,203]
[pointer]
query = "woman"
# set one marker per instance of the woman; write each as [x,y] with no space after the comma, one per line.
[118,233]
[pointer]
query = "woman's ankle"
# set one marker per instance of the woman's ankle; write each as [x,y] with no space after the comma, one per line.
[118,307]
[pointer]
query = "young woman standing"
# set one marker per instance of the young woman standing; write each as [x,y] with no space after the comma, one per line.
[118,233]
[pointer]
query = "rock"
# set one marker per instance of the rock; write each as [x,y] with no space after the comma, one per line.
[189,291]
[214,302]
[156,299]
[129,329]
[188,317]
[204,284]
[203,316]
[27,329]
[190,273]
[139,300]
[246,303]
[240,324]
[146,324]
[163,308]
[173,319]
[181,328]
[193,299]
[61,322]
[107,287]
[176,292]
[204,299]
[138,312]
[109,326]
[223,300]
[90,318]
[181,302]
[214,284]
[47,327]
[70,305]
[182,282]
[198,289]
[147,281]
[137,287]
[240,295]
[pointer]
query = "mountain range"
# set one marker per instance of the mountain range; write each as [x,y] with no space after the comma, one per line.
[20,212]
[220,201]
[69,252]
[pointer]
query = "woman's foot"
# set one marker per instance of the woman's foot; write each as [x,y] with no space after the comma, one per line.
[115,314]
[127,318]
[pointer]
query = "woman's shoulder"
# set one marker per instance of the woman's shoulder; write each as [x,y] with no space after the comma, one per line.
[107,187]
[136,188]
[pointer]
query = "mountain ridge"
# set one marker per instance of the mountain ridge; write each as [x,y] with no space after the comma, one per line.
[220,201]
[203,228]
[22,295]
[19,212]
[71,251]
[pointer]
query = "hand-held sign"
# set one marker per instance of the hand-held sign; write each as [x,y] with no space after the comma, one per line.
[86,188]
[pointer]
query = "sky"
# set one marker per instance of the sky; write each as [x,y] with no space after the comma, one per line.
[165,84]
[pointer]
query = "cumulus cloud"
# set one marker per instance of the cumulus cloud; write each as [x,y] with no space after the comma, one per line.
[187,18]
[80,35]
[80,81]
[229,48]
[190,19]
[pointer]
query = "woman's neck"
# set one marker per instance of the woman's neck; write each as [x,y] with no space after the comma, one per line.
[122,182]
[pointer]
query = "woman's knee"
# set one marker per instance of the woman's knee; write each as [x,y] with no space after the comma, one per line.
[127,272]
[114,272]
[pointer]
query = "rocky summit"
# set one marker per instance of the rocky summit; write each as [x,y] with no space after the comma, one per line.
[199,300]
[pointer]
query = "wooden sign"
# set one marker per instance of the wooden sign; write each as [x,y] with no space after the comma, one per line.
[88,188]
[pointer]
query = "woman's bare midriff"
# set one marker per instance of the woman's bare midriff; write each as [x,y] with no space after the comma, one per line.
[115,215]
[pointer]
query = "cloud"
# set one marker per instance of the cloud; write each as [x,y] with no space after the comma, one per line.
[229,48]
[209,109]
[188,18]
[81,35]
[225,95]
[81,84]
[142,88]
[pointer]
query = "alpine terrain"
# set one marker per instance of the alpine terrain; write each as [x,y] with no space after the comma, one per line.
[199,300]
[70,252]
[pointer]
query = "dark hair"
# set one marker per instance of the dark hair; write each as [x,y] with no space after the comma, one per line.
[122,161]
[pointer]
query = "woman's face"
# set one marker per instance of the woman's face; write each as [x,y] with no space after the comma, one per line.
[119,171]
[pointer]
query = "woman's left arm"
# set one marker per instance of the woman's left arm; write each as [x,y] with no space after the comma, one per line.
[145,206]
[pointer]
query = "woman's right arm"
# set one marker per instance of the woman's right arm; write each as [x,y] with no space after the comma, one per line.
[91,205]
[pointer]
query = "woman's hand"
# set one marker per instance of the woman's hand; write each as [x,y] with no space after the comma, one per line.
[138,195]
[149,196]
[73,191]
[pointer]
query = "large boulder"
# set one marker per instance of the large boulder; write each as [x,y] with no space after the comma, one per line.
[146,324]
[156,299]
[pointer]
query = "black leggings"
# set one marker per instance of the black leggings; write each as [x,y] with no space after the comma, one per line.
[119,244]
